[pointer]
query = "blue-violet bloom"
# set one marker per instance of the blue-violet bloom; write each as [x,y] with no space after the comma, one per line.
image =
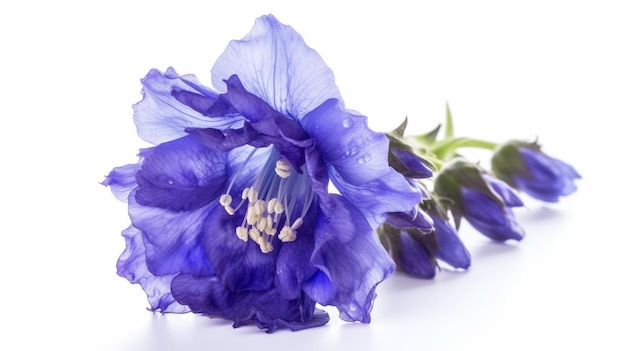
[526,167]
[231,213]
[485,201]
[417,242]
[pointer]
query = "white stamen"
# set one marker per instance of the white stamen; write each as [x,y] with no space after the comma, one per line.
[226,200]
[266,246]
[229,210]
[298,222]
[254,234]
[251,217]
[253,196]
[278,208]
[244,193]
[287,234]
[242,233]
[283,169]
[259,207]
[261,224]
[271,204]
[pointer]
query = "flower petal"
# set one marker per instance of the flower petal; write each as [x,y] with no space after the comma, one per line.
[293,264]
[122,180]
[352,259]
[388,193]
[172,239]
[550,179]
[506,193]
[239,265]
[359,154]
[450,247]
[415,258]
[267,309]
[274,63]
[132,266]
[489,218]
[413,166]
[181,175]
[161,117]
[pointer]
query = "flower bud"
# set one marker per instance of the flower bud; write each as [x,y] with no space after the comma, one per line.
[524,166]
[482,199]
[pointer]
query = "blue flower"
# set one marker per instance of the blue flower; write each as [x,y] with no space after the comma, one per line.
[482,199]
[524,166]
[418,240]
[230,210]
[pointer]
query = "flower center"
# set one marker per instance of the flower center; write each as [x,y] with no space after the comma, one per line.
[278,198]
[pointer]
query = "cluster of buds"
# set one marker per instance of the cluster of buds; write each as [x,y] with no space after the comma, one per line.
[457,189]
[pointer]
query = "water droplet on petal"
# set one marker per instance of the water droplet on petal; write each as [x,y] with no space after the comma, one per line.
[347,123]
[170,181]
[364,158]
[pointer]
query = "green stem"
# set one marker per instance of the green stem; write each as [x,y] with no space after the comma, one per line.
[446,149]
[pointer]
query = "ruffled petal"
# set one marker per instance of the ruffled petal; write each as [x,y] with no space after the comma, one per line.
[388,193]
[293,264]
[161,117]
[239,265]
[181,175]
[267,309]
[264,126]
[359,154]
[274,63]
[172,238]
[351,260]
[122,180]
[132,266]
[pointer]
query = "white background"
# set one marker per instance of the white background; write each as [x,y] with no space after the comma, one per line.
[548,69]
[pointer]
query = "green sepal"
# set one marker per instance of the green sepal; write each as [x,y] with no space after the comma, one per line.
[507,161]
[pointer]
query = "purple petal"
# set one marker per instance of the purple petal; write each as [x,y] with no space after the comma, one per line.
[172,238]
[388,193]
[293,265]
[359,154]
[489,218]
[415,166]
[132,266]
[411,219]
[239,265]
[274,63]
[267,309]
[161,117]
[551,178]
[415,258]
[451,248]
[506,193]
[352,259]
[181,175]
[122,180]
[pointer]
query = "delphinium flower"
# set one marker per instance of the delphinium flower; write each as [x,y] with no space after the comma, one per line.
[524,166]
[231,213]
